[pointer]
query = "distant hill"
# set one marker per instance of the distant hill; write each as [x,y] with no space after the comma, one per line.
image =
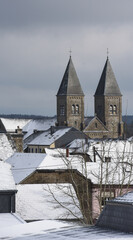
[127,119]
[24,116]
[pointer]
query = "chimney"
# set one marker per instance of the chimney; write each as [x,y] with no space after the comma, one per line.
[52,130]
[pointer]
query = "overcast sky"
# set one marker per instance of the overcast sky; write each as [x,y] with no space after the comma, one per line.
[36,37]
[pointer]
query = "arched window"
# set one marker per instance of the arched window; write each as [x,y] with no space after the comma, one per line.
[73,109]
[77,109]
[111,109]
[115,109]
[62,110]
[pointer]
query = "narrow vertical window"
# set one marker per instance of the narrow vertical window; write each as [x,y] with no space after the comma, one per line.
[77,109]
[111,109]
[73,109]
[115,109]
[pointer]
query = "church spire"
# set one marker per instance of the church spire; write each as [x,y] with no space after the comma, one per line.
[107,85]
[70,84]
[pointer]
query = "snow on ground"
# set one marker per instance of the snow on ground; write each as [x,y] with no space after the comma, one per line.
[35,202]
[12,124]
[5,147]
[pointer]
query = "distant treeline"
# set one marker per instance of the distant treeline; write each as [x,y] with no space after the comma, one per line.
[127,119]
[24,116]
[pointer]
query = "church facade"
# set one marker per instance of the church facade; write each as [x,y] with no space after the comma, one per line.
[107,122]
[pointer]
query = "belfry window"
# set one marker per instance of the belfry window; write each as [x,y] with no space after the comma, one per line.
[111,109]
[77,109]
[62,110]
[73,109]
[115,109]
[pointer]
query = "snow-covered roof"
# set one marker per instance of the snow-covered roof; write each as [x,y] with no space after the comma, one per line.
[23,164]
[10,220]
[39,125]
[46,138]
[116,149]
[12,124]
[36,230]
[35,202]
[6,178]
[126,198]
[6,149]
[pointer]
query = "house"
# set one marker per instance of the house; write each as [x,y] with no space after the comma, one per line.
[13,130]
[55,137]
[38,196]
[102,175]
[7,189]
[118,214]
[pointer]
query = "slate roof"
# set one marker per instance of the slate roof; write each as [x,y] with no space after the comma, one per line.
[23,164]
[107,85]
[70,84]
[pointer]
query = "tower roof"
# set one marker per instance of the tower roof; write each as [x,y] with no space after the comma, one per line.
[107,85]
[70,84]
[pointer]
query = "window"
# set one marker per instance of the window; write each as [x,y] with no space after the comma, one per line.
[111,109]
[62,110]
[73,109]
[107,195]
[115,109]
[77,109]
[32,150]
[36,150]
[95,125]
[107,159]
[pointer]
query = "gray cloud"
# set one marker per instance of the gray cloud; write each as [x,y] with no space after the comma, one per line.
[35,39]
[27,13]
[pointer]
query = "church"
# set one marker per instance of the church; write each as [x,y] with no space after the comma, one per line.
[107,122]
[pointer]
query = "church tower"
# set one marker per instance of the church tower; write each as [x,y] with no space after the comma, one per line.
[108,102]
[70,99]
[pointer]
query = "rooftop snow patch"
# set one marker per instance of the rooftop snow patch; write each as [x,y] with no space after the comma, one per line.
[36,202]
[23,164]
[10,220]
[6,178]
[126,198]
[46,138]
[39,125]
[12,124]
[5,147]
